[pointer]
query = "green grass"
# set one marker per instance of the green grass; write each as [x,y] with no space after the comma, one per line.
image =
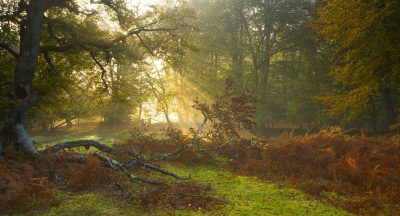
[106,135]
[250,196]
[244,195]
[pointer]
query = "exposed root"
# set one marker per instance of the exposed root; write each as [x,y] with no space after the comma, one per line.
[120,167]
[23,140]
[80,143]
[19,138]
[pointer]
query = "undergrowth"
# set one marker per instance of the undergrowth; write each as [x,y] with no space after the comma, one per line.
[358,174]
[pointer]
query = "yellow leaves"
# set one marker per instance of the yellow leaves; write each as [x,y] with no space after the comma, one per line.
[345,22]
[350,104]
[364,33]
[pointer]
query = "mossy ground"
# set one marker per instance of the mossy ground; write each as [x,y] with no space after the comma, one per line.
[243,195]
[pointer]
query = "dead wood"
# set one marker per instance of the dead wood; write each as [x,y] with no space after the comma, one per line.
[80,143]
[133,163]
[120,167]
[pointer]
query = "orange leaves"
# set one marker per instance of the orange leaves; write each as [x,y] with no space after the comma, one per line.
[327,163]
[330,151]
[351,162]
[228,113]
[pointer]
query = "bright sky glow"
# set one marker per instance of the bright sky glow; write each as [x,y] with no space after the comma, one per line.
[143,5]
[156,65]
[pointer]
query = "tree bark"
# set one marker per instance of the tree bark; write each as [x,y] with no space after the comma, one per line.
[21,94]
[389,108]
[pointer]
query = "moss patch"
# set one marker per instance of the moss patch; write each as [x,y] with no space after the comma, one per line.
[250,196]
[245,196]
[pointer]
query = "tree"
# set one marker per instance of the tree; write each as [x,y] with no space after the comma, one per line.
[267,46]
[65,27]
[366,70]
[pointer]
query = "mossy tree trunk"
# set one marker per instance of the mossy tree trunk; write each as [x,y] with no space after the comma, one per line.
[21,95]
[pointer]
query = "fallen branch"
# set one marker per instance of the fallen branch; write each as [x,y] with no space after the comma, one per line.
[117,166]
[80,143]
[133,163]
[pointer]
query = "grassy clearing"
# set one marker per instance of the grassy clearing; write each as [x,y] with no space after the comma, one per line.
[107,135]
[244,195]
[250,196]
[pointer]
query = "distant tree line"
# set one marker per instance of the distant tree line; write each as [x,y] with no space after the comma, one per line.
[311,63]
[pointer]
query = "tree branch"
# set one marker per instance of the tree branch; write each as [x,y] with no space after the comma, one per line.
[48,61]
[103,70]
[117,166]
[9,49]
[133,163]
[145,45]
[80,143]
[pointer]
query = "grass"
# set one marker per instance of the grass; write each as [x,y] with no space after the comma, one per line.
[244,195]
[250,196]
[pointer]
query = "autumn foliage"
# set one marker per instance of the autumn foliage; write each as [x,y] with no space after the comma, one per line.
[364,171]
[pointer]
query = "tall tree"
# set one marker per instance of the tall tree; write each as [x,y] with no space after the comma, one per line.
[68,27]
[366,35]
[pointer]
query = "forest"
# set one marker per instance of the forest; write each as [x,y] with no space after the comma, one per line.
[199,107]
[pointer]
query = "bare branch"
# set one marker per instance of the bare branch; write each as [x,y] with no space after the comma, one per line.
[133,163]
[9,49]
[80,143]
[117,166]
[103,70]
[48,61]
[145,45]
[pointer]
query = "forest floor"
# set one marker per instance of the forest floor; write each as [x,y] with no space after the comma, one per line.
[239,195]
[218,185]
[243,196]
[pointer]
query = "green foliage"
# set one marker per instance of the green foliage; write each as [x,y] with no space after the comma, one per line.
[367,61]
[86,204]
[269,49]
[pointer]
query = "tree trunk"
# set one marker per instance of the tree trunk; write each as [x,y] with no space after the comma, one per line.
[168,120]
[44,126]
[389,108]
[263,93]
[21,94]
